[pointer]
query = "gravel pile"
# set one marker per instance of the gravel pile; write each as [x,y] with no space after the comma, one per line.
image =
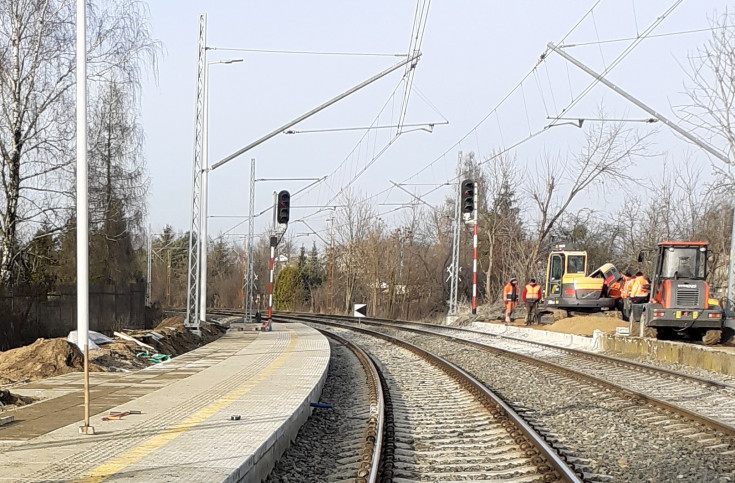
[607,435]
[328,445]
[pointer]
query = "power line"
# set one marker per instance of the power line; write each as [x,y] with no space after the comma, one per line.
[617,60]
[307,52]
[652,36]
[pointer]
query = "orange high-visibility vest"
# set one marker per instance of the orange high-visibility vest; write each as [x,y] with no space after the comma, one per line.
[640,287]
[626,288]
[510,293]
[532,293]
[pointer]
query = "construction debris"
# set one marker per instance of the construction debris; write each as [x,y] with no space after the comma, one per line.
[132,339]
[52,357]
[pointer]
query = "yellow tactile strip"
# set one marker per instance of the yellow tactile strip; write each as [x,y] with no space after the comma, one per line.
[193,423]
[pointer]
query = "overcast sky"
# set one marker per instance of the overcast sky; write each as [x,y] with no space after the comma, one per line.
[474,53]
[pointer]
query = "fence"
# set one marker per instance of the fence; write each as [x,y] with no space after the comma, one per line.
[27,317]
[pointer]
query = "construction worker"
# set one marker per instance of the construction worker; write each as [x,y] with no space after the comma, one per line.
[625,293]
[638,295]
[532,297]
[510,297]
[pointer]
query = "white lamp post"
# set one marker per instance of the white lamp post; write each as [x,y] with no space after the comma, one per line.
[204,186]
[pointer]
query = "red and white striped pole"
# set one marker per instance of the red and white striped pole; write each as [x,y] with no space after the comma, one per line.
[474,257]
[270,284]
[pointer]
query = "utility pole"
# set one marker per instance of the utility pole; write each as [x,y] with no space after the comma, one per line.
[249,277]
[148,281]
[168,277]
[731,272]
[193,271]
[454,267]
[686,134]
[330,305]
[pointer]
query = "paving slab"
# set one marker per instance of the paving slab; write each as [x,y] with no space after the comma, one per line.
[185,431]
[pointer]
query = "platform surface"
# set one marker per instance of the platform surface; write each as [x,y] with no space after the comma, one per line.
[185,431]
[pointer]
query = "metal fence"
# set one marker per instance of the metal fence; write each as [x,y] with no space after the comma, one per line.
[27,317]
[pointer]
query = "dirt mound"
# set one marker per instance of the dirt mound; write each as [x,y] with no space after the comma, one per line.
[177,339]
[52,357]
[44,358]
[584,325]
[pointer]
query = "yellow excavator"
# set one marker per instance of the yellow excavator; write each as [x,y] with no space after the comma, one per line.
[570,288]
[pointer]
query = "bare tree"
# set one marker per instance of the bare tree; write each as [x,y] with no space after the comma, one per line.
[605,160]
[710,113]
[37,41]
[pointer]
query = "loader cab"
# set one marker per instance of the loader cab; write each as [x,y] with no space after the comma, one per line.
[680,298]
[680,265]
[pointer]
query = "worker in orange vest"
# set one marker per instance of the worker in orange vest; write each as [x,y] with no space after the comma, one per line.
[638,295]
[510,297]
[625,294]
[532,297]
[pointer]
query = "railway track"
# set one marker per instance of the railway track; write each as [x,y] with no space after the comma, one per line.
[710,400]
[608,432]
[444,425]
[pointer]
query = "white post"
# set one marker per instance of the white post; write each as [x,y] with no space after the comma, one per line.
[82,214]
[204,187]
[731,271]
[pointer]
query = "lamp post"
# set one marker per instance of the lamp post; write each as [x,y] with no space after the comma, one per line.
[82,211]
[204,186]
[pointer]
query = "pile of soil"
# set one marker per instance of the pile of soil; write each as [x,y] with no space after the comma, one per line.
[178,340]
[584,325]
[44,358]
[53,357]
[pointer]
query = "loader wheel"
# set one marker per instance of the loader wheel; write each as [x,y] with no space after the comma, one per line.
[712,337]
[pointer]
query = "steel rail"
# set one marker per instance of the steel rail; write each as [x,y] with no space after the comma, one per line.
[478,388]
[692,416]
[370,462]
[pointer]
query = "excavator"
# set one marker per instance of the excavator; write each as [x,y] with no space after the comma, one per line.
[568,287]
[680,303]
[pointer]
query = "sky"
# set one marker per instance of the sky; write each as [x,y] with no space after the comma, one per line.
[474,53]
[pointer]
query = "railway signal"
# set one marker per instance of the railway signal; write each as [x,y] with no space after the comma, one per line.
[468,196]
[284,207]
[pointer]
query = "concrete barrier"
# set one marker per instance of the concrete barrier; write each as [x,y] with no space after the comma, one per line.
[717,359]
[535,335]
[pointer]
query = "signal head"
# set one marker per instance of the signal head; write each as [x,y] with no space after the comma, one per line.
[468,196]
[284,207]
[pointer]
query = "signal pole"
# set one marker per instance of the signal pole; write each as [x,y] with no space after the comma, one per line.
[474,256]
[274,242]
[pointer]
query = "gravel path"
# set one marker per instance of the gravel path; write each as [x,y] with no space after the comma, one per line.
[328,445]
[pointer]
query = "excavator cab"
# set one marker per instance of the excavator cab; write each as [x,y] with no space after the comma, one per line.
[680,301]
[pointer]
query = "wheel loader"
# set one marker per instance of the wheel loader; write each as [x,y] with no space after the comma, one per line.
[680,303]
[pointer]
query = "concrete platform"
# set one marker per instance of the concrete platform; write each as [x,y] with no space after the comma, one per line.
[184,431]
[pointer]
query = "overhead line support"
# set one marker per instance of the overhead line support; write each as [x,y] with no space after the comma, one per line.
[334,100]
